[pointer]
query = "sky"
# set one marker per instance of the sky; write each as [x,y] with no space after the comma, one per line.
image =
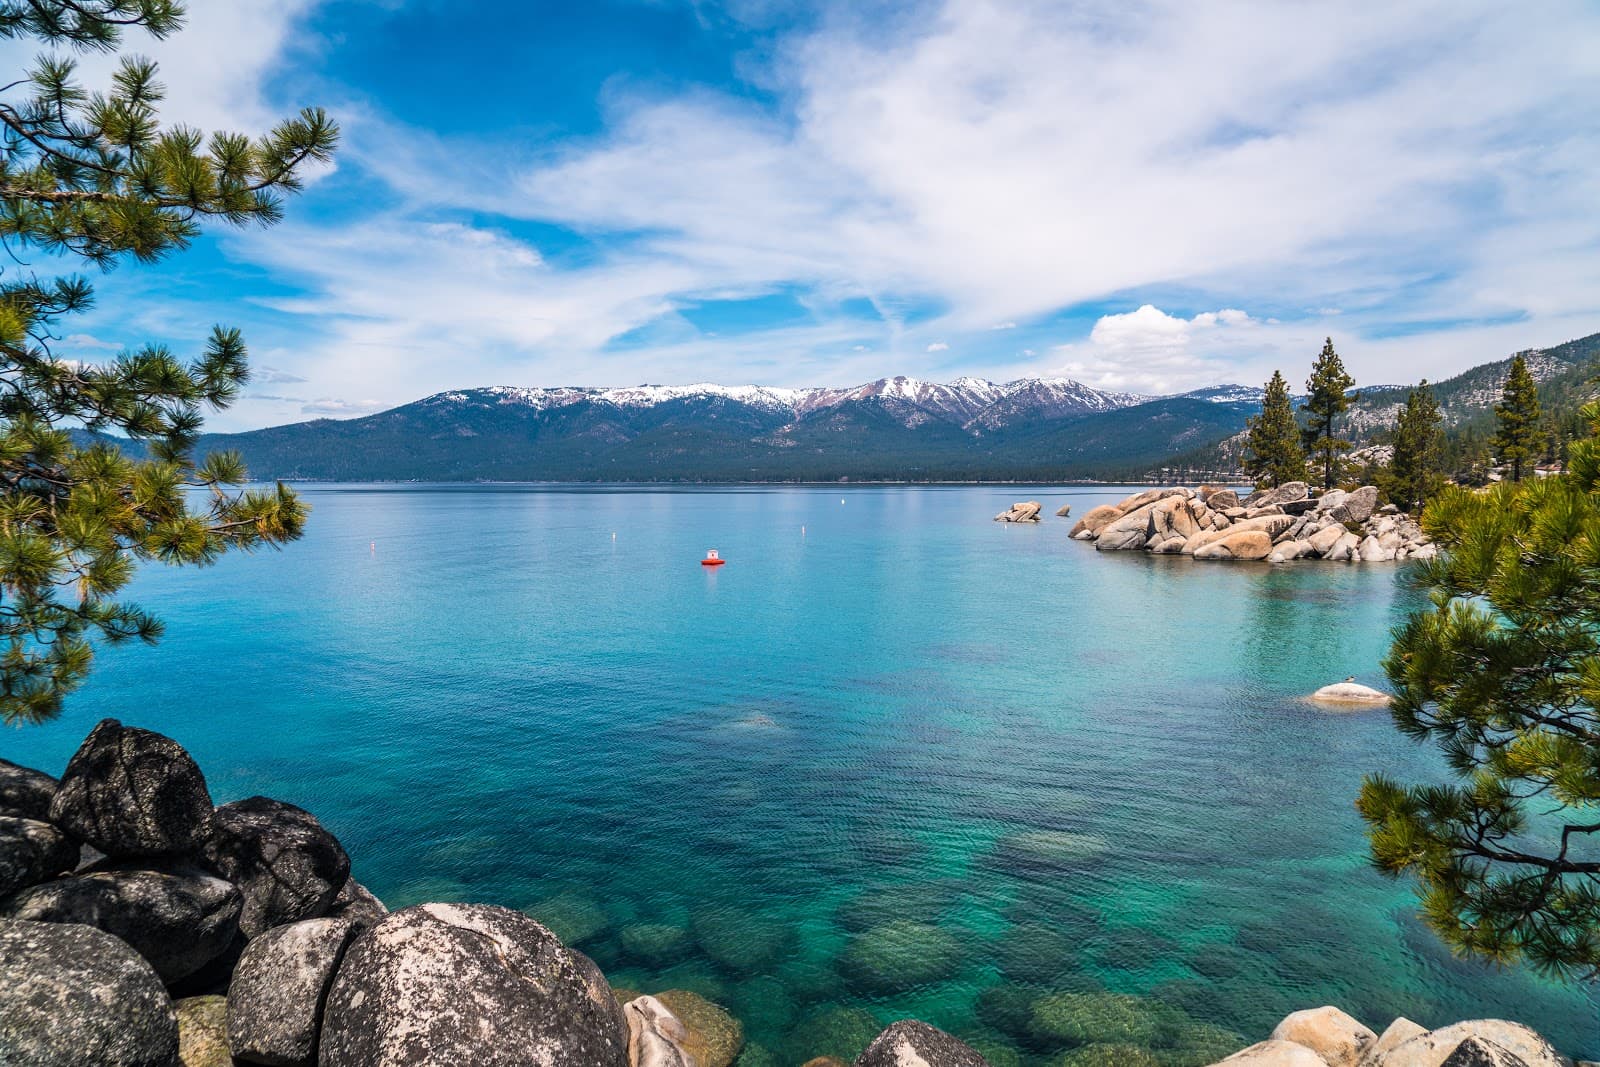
[1143,196]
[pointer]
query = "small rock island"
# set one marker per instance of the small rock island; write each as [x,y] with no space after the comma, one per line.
[1275,525]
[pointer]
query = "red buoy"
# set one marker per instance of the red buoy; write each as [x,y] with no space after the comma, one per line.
[712,559]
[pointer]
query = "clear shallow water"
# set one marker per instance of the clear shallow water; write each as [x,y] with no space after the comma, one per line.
[912,763]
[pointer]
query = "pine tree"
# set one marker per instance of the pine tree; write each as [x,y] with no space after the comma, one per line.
[1418,438]
[1273,444]
[1502,672]
[1328,398]
[1518,437]
[96,177]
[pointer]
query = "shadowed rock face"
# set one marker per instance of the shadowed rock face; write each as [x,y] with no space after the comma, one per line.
[175,915]
[130,792]
[469,984]
[288,867]
[356,903]
[32,851]
[71,995]
[275,1001]
[25,791]
[909,1043]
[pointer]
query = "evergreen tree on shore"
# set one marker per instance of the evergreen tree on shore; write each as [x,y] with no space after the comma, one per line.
[1328,389]
[1273,443]
[96,177]
[1502,673]
[1520,434]
[1413,474]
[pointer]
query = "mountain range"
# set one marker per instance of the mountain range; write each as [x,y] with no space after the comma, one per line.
[891,429]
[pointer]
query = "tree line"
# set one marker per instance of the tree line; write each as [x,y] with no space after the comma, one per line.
[1283,444]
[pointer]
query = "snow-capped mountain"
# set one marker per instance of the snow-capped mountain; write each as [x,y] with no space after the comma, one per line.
[971,403]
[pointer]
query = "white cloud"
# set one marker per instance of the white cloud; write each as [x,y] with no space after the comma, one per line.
[999,161]
[1004,326]
[334,406]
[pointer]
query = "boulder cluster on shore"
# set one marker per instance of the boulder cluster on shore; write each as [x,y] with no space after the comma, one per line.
[141,926]
[1276,525]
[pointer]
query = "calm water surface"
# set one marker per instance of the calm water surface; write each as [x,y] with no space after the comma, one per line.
[911,762]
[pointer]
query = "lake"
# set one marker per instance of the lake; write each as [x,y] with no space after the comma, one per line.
[894,759]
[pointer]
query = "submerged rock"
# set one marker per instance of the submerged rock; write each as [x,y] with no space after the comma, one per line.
[712,1037]
[655,945]
[428,983]
[25,791]
[1104,1055]
[32,852]
[572,917]
[899,956]
[177,915]
[71,995]
[275,1001]
[1096,1018]
[288,867]
[741,942]
[131,792]
[910,1043]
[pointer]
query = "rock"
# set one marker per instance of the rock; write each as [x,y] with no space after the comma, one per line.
[71,995]
[1089,1018]
[1271,525]
[356,903]
[1372,551]
[743,942]
[1097,519]
[655,1035]
[1172,547]
[909,1043]
[1100,1054]
[1399,1032]
[1323,540]
[1286,493]
[1344,548]
[130,792]
[176,915]
[1023,512]
[1276,1054]
[1425,552]
[25,791]
[825,1061]
[900,955]
[1222,500]
[655,945]
[1128,532]
[427,983]
[1351,693]
[32,852]
[202,1032]
[1063,511]
[1339,1039]
[275,1001]
[1172,518]
[1489,1037]
[1240,544]
[1298,507]
[1265,509]
[288,867]
[712,1037]
[1356,506]
[1331,499]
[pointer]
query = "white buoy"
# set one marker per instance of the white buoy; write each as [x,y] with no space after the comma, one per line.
[613,535]
[802,531]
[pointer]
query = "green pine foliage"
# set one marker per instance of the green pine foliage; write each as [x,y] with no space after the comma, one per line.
[1414,473]
[1521,434]
[95,177]
[1502,672]
[1273,453]
[1327,398]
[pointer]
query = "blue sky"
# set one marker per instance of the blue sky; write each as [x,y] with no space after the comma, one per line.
[1146,196]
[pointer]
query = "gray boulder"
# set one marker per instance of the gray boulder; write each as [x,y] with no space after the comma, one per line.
[71,995]
[288,867]
[356,903]
[1475,1043]
[25,791]
[910,1043]
[1357,506]
[275,1001]
[176,915]
[32,852]
[130,792]
[430,983]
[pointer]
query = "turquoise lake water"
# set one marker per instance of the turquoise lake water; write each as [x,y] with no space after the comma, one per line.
[910,763]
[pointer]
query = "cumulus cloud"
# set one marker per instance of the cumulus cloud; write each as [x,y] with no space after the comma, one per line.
[334,406]
[938,346]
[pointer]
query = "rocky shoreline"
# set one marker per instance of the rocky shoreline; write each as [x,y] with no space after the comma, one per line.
[141,926]
[1275,525]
